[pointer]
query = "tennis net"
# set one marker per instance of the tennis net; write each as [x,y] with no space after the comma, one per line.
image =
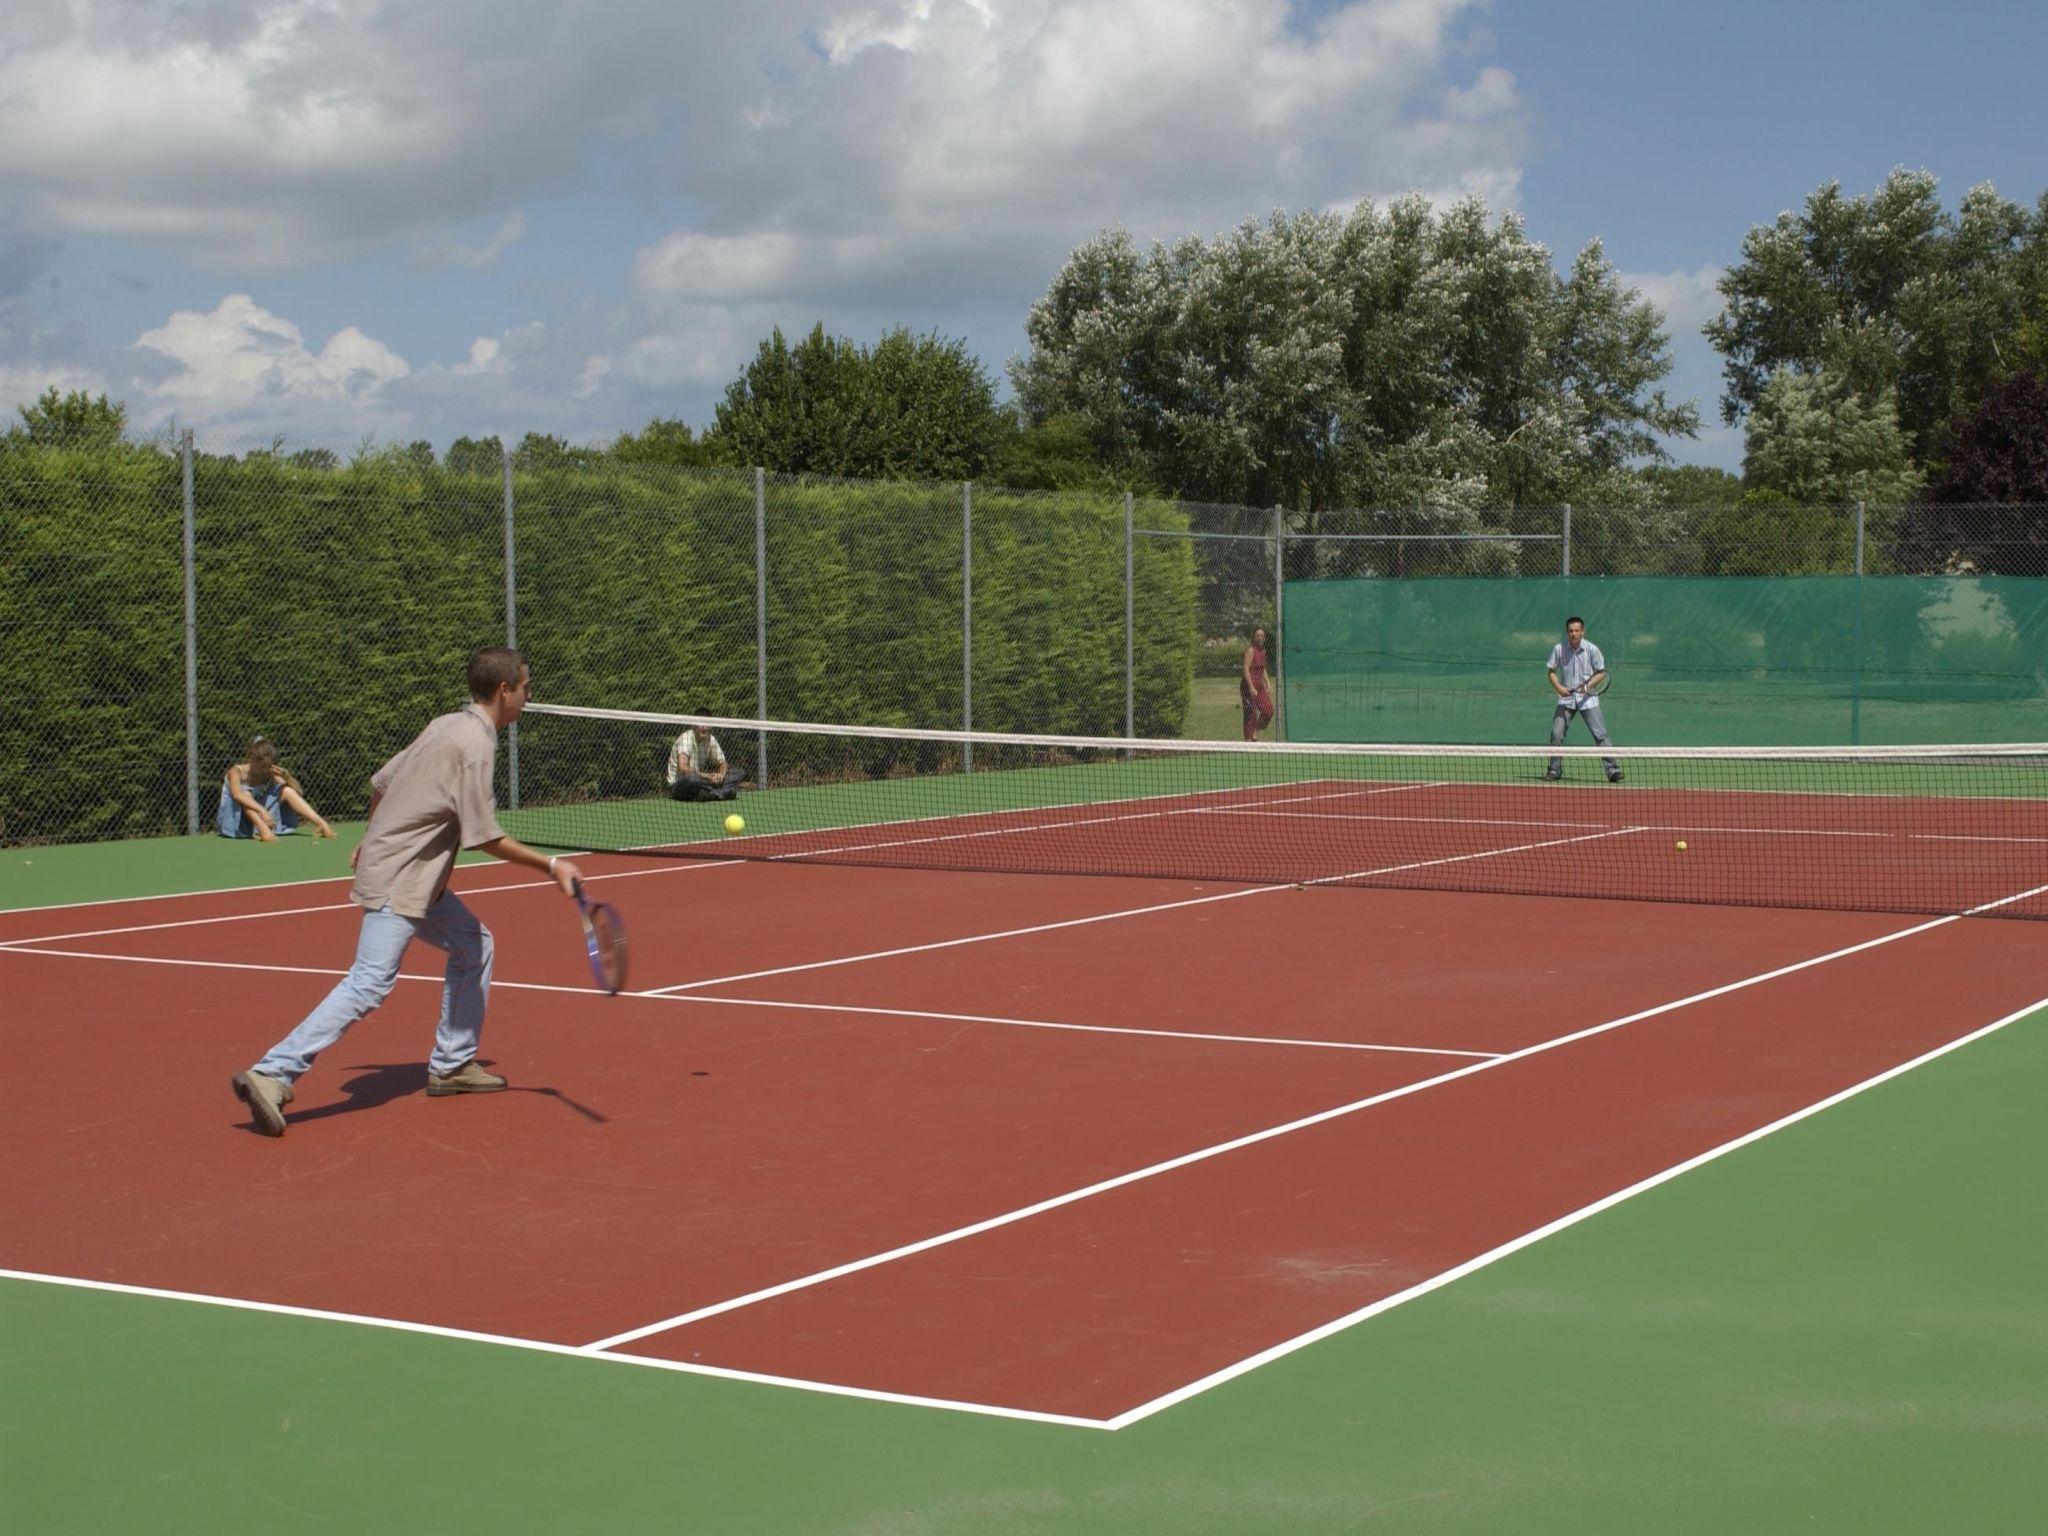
[1934,829]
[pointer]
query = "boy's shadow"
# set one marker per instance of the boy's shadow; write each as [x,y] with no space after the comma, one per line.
[370,1086]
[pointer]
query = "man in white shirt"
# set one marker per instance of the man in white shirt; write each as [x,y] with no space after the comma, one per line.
[1576,670]
[697,769]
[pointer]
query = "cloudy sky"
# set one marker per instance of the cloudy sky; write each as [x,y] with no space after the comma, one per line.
[424,218]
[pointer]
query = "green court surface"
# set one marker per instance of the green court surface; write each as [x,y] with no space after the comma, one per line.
[1840,1327]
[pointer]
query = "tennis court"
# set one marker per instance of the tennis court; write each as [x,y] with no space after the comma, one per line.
[906,1130]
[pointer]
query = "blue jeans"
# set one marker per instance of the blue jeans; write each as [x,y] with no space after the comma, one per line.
[449,926]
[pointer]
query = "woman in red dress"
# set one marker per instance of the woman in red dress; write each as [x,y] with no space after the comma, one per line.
[1252,693]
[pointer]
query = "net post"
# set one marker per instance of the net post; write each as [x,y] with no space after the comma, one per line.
[511,620]
[760,623]
[191,641]
[1130,627]
[1279,622]
[967,621]
[1856,674]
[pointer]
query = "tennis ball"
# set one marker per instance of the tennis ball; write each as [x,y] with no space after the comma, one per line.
[735,823]
[1681,845]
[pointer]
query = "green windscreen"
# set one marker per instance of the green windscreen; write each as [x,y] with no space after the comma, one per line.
[1696,661]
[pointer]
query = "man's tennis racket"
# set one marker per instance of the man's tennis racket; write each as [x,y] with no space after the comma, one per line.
[1592,690]
[604,936]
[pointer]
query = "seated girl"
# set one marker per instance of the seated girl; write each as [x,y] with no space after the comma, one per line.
[261,798]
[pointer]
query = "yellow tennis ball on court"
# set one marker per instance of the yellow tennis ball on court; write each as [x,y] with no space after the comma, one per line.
[1681,845]
[735,823]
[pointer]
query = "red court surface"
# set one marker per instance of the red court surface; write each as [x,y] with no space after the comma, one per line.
[1075,1104]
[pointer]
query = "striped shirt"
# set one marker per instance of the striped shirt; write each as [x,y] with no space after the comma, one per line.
[1575,668]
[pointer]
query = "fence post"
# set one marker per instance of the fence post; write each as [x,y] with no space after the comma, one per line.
[1856,675]
[1279,622]
[191,647]
[1130,628]
[760,623]
[511,620]
[1565,568]
[967,621]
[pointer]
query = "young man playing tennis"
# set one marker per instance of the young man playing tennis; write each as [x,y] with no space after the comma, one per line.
[1576,671]
[430,801]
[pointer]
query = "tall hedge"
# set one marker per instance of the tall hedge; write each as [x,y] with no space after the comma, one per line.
[335,607]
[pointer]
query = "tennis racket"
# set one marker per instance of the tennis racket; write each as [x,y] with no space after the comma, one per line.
[604,936]
[1594,689]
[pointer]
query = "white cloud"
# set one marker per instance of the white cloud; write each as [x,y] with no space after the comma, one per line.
[1688,299]
[272,133]
[865,162]
[941,161]
[486,355]
[278,132]
[240,365]
[23,382]
[447,252]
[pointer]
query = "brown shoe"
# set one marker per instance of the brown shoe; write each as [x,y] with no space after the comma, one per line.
[266,1098]
[467,1078]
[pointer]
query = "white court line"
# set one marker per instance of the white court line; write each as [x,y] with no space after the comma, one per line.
[1694,827]
[1104,917]
[681,848]
[224,890]
[971,814]
[539,1346]
[1515,1245]
[1130,1416]
[1204,1154]
[1093,1029]
[342,906]
[1120,1421]
[751,1002]
[1055,826]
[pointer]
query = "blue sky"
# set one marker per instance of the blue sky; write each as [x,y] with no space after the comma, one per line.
[345,219]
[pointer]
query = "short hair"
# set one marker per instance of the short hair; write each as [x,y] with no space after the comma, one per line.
[1574,619]
[491,667]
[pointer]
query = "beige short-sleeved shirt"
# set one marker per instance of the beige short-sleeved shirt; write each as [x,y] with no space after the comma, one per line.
[434,800]
[695,750]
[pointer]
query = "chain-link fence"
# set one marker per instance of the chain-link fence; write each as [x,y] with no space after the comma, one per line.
[161,603]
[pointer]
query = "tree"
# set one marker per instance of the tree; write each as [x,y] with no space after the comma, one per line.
[1998,449]
[73,420]
[1885,292]
[1392,357]
[1767,533]
[1814,439]
[475,456]
[664,441]
[1692,485]
[909,408]
[543,450]
[1053,455]
[1995,452]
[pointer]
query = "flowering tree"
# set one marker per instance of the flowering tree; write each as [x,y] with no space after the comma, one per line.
[1397,356]
[1885,292]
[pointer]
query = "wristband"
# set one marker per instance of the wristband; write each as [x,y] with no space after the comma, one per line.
[551,863]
